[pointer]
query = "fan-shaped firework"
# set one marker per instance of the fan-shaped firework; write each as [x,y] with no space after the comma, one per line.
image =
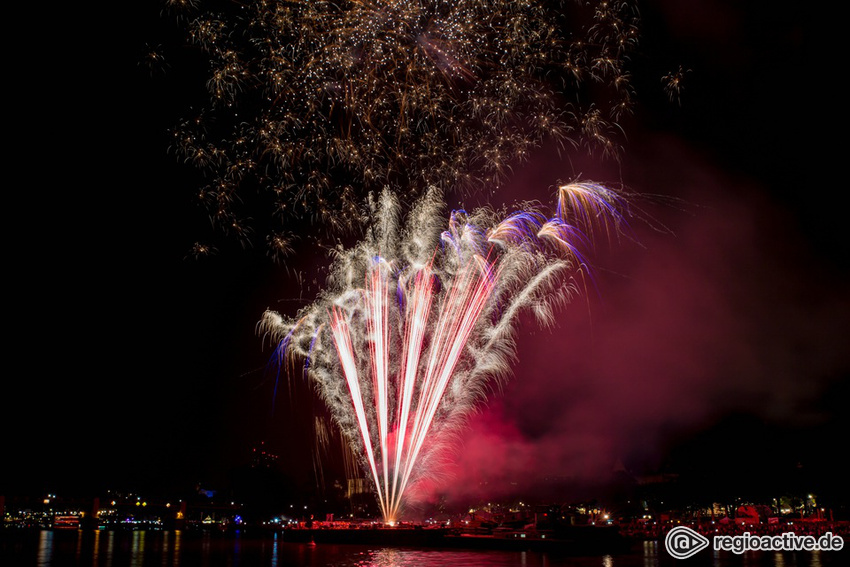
[418,321]
[315,104]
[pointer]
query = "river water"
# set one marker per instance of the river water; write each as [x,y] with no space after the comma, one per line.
[66,548]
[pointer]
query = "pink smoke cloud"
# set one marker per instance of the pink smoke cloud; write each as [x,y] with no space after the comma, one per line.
[726,311]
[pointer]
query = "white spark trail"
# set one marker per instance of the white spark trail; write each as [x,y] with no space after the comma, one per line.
[422,322]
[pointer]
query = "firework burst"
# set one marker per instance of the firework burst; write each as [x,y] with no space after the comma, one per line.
[313,105]
[418,321]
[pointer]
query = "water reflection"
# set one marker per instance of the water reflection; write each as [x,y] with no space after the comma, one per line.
[175,558]
[96,547]
[45,548]
[110,547]
[81,548]
[137,549]
[165,545]
[650,554]
[237,548]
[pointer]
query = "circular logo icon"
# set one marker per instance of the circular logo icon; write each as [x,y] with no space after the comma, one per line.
[682,542]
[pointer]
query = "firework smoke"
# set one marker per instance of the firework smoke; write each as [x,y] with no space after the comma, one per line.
[418,321]
[313,105]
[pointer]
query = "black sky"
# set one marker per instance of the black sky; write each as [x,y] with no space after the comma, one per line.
[130,365]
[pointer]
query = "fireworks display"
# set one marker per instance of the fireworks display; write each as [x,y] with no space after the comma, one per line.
[418,320]
[313,105]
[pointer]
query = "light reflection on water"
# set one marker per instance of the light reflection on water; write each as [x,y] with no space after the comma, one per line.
[79,548]
[45,548]
[650,553]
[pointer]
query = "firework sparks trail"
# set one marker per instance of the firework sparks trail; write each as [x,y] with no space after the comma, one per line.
[313,105]
[417,322]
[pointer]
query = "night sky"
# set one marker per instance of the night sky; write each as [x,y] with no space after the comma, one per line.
[722,330]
